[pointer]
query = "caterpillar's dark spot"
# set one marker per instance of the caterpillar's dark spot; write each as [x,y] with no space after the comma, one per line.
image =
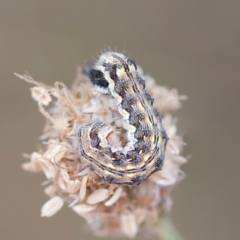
[105,151]
[141,81]
[95,140]
[136,180]
[110,179]
[135,117]
[132,62]
[142,146]
[157,114]
[149,98]
[97,78]
[164,134]
[120,87]
[159,162]
[134,156]
[142,131]
[119,158]
[127,102]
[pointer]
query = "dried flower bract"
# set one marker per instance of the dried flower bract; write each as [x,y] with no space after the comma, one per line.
[108,208]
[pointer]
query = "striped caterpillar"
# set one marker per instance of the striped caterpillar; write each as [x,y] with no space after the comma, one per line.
[116,75]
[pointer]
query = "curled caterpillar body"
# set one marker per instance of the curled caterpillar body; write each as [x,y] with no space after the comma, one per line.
[116,75]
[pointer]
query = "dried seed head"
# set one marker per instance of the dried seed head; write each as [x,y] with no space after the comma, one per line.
[108,208]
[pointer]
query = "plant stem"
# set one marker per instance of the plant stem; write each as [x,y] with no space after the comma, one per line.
[168,231]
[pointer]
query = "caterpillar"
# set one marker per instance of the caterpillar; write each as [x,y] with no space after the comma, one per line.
[118,76]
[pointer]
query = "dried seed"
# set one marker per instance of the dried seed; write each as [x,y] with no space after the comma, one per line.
[74,202]
[83,172]
[56,153]
[140,215]
[39,163]
[50,190]
[47,168]
[83,188]
[128,224]
[73,186]
[179,159]
[83,208]
[62,184]
[64,175]
[52,206]
[114,197]
[34,165]
[165,182]
[172,146]
[98,196]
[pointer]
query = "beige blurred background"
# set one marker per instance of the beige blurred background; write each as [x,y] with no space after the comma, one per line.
[191,45]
